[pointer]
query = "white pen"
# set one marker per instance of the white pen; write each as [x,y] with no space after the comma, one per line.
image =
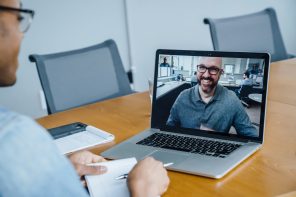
[124,176]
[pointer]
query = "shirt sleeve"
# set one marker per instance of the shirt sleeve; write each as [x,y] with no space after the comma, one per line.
[31,164]
[242,123]
[173,119]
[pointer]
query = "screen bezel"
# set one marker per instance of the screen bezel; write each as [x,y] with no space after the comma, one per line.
[197,132]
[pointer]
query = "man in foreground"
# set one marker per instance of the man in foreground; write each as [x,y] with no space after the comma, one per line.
[30,162]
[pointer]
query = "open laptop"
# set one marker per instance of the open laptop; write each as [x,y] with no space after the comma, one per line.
[203,138]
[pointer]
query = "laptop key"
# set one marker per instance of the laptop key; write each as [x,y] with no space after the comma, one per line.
[176,148]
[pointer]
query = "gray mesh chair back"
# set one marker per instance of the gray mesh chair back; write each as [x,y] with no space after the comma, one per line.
[257,32]
[75,78]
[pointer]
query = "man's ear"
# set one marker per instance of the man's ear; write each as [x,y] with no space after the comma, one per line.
[222,71]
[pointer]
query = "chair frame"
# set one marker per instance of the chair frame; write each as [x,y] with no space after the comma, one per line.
[279,48]
[124,86]
[245,91]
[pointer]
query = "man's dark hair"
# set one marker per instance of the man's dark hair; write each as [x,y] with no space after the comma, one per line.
[247,74]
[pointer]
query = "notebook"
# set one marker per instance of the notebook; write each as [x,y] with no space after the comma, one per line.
[206,128]
[106,185]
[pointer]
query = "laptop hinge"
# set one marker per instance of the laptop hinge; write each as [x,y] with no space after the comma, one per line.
[255,141]
[154,129]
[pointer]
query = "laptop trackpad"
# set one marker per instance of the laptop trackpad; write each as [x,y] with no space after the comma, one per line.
[167,157]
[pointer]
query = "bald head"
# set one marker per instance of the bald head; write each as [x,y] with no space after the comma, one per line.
[211,61]
[10,3]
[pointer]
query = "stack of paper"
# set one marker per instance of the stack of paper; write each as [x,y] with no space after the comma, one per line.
[91,136]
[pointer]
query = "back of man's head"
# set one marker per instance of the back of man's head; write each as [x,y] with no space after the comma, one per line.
[247,74]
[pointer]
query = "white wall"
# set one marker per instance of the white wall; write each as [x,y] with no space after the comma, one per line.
[61,25]
[178,24]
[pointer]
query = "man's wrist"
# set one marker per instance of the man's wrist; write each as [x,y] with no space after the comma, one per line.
[139,189]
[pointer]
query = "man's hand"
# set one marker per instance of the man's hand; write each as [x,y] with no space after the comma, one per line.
[148,178]
[85,157]
[81,159]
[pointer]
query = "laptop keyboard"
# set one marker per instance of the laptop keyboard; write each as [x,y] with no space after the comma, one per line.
[188,144]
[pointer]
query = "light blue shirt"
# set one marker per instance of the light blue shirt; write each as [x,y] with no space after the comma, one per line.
[247,82]
[30,163]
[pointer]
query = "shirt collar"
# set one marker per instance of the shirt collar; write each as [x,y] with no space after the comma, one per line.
[196,95]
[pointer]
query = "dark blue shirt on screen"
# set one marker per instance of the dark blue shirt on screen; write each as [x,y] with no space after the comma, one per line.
[219,114]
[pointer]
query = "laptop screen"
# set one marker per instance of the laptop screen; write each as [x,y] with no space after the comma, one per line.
[210,92]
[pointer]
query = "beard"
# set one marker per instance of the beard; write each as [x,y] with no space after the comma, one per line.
[8,81]
[208,86]
[8,72]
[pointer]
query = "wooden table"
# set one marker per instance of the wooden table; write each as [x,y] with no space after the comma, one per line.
[269,172]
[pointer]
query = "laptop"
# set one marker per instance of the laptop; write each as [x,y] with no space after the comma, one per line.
[207,138]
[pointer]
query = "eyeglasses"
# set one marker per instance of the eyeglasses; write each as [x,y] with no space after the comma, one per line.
[25,17]
[213,70]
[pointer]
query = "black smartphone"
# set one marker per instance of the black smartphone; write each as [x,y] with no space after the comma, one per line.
[65,130]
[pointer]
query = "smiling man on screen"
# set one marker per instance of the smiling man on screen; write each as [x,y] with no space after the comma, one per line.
[210,106]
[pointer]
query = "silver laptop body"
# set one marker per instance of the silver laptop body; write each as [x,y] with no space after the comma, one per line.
[194,150]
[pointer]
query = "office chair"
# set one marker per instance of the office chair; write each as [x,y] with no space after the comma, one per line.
[165,102]
[193,83]
[78,77]
[244,94]
[257,32]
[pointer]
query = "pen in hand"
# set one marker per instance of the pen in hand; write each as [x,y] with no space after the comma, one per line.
[124,176]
